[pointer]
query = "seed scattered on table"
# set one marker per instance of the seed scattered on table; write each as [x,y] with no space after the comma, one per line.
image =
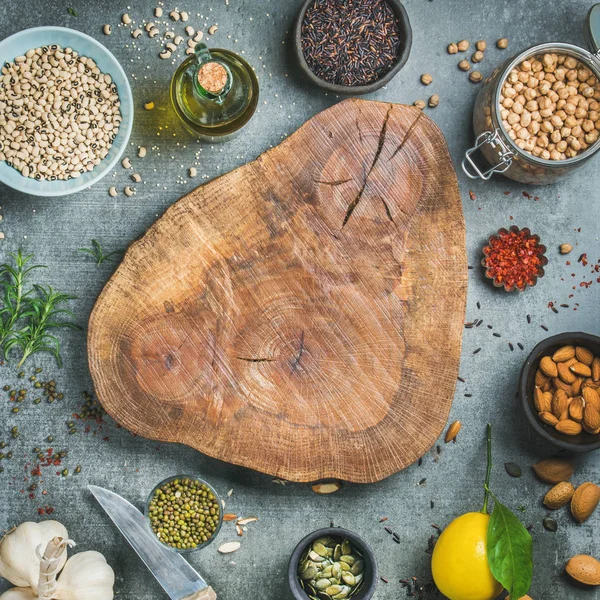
[452,48]
[464,65]
[150,25]
[141,151]
[169,35]
[198,37]
[107,29]
[212,29]
[153,32]
[112,191]
[426,79]
[136,33]
[193,172]
[165,54]
[463,46]
[158,11]
[129,191]
[184,16]
[126,19]
[420,104]
[189,31]
[477,57]
[481,45]
[434,101]
[565,248]
[126,163]
[174,15]
[502,43]
[136,177]
[475,76]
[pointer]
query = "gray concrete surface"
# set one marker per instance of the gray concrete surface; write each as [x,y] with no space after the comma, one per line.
[53,229]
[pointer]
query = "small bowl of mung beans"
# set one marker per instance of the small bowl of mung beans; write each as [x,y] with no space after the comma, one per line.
[185,513]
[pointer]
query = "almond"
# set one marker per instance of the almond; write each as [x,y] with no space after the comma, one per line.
[568,427]
[541,379]
[559,495]
[584,355]
[560,403]
[591,418]
[548,367]
[576,409]
[554,470]
[596,369]
[561,385]
[566,374]
[548,418]
[581,369]
[542,400]
[595,385]
[229,517]
[585,569]
[453,431]
[564,353]
[247,520]
[591,397]
[229,547]
[577,385]
[584,501]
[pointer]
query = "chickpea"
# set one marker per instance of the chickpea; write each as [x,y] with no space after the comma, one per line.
[532,106]
[463,46]
[502,43]
[561,146]
[570,62]
[565,132]
[542,140]
[556,121]
[537,151]
[577,131]
[545,155]
[526,120]
[481,45]
[555,136]
[510,92]
[580,112]
[592,136]
[555,155]
[593,115]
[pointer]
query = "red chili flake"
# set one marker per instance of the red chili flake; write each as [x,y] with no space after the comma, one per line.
[583,259]
[507,193]
[49,510]
[511,218]
[41,511]
[514,258]
[526,195]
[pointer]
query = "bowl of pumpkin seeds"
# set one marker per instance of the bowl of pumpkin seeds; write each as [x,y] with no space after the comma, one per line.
[333,564]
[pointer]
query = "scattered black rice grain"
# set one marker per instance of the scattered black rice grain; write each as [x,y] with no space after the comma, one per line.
[490,327]
[564,306]
[478,323]
[461,379]
[511,346]
[388,529]
[479,305]
[431,504]
[396,537]
[350,42]
[544,327]
[469,325]
[420,461]
[468,395]
[513,469]
[476,351]
[521,347]
[554,309]
[423,481]
[496,334]
[550,524]
[529,318]
[384,579]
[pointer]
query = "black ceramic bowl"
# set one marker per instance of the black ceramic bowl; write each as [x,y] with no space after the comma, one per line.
[403,54]
[584,442]
[371,573]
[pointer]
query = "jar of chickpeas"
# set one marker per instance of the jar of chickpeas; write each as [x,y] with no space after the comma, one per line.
[537,117]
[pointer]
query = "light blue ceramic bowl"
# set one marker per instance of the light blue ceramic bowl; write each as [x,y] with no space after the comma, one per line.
[18,44]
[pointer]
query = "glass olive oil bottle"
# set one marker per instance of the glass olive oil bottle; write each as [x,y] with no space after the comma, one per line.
[214,92]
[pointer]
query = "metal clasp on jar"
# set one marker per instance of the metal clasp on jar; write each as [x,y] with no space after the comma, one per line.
[498,146]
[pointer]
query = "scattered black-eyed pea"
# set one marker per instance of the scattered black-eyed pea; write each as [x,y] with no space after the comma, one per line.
[463,46]
[158,11]
[126,19]
[126,163]
[452,48]
[212,29]
[502,43]
[426,79]
[129,191]
[174,15]
[150,25]
[434,101]
[169,35]
[165,54]
[477,57]
[153,32]
[178,39]
[481,45]
[112,191]
[420,104]
[141,151]
[136,177]
[136,33]
[464,65]
[149,105]
[189,31]
[193,172]
[198,37]
[171,47]
[191,43]
[189,51]
[184,16]
[107,29]
[475,76]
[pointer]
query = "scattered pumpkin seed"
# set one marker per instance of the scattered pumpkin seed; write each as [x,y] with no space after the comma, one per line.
[550,524]
[513,469]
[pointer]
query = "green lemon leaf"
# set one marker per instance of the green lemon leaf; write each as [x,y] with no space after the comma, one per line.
[509,550]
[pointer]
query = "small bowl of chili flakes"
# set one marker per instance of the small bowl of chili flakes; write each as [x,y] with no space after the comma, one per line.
[514,259]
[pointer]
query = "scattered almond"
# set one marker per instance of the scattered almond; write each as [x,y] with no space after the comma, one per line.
[585,569]
[585,500]
[554,470]
[229,547]
[229,517]
[246,520]
[559,495]
[326,488]
[453,431]
[564,353]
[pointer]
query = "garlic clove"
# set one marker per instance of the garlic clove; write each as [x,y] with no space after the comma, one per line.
[18,593]
[19,561]
[86,575]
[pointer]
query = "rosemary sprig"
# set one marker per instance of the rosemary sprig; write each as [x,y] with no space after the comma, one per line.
[97,252]
[28,315]
[12,280]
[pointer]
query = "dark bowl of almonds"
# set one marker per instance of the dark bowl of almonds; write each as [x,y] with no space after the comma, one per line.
[559,388]
[185,513]
[352,46]
[333,563]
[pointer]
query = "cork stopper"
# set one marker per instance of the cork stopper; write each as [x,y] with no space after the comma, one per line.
[212,76]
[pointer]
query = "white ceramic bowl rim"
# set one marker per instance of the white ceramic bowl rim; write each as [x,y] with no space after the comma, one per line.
[22,41]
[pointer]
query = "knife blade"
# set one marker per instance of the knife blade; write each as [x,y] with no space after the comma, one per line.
[176,576]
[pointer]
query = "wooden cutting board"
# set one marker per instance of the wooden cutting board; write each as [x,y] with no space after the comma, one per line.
[303,314]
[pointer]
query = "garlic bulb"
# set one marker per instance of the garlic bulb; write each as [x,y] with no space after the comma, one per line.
[19,559]
[86,575]
[18,594]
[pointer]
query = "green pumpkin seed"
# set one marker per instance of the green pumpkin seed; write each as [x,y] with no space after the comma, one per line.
[358,579]
[337,552]
[345,593]
[348,578]
[309,572]
[348,559]
[323,584]
[315,557]
[345,566]
[550,524]
[358,567]
[513,469]
[320,549]
[332,590]
[336,570]
[346,547]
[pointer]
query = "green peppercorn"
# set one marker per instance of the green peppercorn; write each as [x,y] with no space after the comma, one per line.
[2,444]
[78,469]
[37,400]
[64,472]
[6,388]
[15,409]
[50,438]
[9,455]
[21,374]
[38,370]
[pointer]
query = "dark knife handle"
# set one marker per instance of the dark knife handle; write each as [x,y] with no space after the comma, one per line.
[205,594]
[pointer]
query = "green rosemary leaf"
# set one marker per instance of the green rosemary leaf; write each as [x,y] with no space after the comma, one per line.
[72,12]
[97,252]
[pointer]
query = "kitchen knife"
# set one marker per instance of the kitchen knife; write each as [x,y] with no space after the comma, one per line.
[177,577]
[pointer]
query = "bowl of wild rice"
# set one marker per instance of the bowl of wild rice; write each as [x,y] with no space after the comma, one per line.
[66,111]
[352,46]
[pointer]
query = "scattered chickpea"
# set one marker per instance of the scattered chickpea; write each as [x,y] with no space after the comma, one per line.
[463,46]
[149,106]
[502,43]
[420,104]
[475,76]
[434,101]
[426,79]
[481,46]
[452,48]
[477,57]
[464,65]
[565,248]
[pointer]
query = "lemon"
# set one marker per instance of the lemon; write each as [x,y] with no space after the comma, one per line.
[459,563]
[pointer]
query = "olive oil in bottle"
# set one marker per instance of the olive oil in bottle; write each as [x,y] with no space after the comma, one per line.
[214,92]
